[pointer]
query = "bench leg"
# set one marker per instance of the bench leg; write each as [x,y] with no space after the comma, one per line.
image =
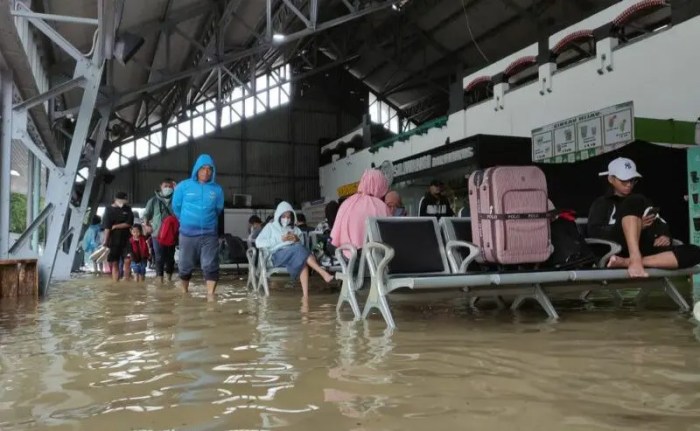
[377,300]
[642,296]
[617,296]
[347,294]
[539,296]
[674,294]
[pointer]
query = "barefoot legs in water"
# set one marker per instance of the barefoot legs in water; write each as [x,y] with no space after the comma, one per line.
[304,276]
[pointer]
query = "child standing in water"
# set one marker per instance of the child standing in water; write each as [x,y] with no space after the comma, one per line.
[138,253]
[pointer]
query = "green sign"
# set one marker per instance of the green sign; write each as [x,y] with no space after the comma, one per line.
[694,199]
[584,136]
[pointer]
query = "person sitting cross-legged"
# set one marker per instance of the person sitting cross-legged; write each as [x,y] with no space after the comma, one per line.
[631,220]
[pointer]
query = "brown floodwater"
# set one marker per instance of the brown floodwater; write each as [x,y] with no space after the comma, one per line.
[99,356]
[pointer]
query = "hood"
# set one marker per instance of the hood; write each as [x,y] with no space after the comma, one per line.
[204,159]
[282,208]
[373,183]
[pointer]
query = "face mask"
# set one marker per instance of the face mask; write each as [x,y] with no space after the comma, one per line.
[285,221]
[399,212]
[120,203]
[166,191]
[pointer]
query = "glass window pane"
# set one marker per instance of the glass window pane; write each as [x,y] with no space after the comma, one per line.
[235,116]
[274,97]
[142,148]
[261,83]
[197,127]
[154,149]
[210,125]
[225,116]
[249,109]
[171,137]
[156,138]
[113,161]
[394,124]
[209,105]
[185,131]
[237,108]
[287,89]
[261,103]
[237,93]
[99,163]
[127,150]
[374,112]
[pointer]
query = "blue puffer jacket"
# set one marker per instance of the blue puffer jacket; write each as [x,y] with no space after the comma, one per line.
[196,205]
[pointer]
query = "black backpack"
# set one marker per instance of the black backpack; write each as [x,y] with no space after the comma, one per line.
[570,248]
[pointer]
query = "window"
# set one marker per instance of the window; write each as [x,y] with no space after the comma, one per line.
[184,131]
[171,137]
[82,175]
[249,108]
[113,161]
[127,150]
[381,113]
[197,127]
[274,97]
[142,148]
[226,116]
[210,124]
[261,83]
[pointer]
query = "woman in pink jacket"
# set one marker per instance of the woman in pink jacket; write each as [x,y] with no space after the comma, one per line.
[349,226]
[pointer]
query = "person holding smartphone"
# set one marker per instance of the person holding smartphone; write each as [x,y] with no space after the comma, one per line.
[631,220]
[283,239]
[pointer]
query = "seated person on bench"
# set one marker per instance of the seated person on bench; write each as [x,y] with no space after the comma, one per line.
[630,220]
[350,223]
[282,238]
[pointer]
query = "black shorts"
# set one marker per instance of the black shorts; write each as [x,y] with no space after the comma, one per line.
[119,247]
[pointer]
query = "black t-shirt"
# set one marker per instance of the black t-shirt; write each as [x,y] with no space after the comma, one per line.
[113,216]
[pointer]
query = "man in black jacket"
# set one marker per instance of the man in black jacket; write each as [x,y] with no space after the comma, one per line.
[434,204]
[632,221]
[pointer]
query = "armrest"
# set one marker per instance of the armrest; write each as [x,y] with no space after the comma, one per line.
[251,254]
[615,248]
[675,241]
[340,256]
[263,256]
[452,246]
[387,252]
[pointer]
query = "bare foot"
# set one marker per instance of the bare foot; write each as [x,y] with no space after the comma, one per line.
[636,269]
[328,277]
[618,262]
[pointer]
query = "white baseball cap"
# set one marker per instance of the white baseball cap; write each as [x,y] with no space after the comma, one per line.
[623,169]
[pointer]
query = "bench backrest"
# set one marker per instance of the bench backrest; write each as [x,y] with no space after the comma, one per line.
[457,229]
[417,243]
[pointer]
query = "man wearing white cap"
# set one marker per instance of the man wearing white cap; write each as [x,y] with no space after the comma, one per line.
[632,221]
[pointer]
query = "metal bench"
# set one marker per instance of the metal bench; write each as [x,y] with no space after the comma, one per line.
[409,252]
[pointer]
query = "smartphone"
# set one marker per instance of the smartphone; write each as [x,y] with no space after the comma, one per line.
[652,211]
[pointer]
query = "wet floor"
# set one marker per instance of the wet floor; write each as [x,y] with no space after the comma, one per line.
[98,356]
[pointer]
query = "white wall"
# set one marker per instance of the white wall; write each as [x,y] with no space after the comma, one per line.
[658,73]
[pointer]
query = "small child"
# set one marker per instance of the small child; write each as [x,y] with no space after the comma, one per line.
[138,253]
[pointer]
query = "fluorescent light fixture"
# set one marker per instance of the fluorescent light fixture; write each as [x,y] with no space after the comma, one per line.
[14,173]
[278,37]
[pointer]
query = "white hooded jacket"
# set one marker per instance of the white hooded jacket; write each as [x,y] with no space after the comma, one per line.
[271,235]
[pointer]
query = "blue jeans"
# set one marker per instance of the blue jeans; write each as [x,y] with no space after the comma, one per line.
[196,250]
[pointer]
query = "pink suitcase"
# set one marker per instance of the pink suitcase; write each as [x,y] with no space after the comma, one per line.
[508,208]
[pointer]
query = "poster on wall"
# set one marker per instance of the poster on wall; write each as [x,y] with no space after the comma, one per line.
[693,157]
[584,136]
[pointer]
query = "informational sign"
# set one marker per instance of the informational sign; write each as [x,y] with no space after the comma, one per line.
[694,204]
[444,156]
[584,136]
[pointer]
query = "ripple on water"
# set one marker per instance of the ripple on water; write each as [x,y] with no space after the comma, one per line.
[96,354]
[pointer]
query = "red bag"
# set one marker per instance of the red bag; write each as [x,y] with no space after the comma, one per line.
[169,231]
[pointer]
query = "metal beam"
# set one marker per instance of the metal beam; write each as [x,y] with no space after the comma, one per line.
[57,18]
[251,51]
[53,92]
[6,92]
[298,13]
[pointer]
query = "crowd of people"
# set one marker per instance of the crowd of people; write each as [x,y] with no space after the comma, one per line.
[187,215]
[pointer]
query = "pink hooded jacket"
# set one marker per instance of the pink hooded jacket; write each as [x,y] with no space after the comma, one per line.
[350,223]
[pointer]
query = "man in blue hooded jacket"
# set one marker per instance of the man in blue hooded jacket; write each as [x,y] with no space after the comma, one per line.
[197,203]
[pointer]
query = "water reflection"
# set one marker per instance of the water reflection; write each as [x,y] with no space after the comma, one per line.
[97,354]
